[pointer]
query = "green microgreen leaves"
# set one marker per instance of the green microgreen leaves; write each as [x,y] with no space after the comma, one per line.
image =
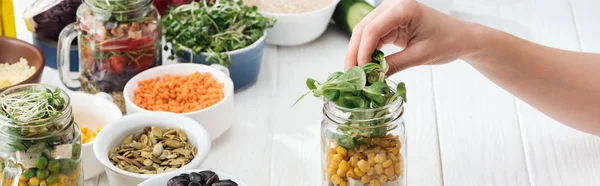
[360,88]
[214,28]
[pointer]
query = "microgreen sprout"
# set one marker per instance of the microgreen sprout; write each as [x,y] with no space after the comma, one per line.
[32,104]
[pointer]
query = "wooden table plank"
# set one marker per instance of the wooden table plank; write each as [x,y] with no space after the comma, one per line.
[556,154]
[480,139]
[586,16]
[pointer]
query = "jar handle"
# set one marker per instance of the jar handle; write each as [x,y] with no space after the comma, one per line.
[65,39]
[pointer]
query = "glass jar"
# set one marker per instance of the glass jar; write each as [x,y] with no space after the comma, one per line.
[117,40]
[363,147]
[42,151]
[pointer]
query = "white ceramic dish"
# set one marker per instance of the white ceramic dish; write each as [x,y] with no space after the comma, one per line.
[216,119]
[162,179]
[92,111]
[112,134]
[299,28]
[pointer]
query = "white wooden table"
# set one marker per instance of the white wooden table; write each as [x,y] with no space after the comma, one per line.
[463,130]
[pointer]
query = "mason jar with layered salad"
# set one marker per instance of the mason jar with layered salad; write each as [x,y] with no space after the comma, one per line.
[364,147]
[117,40]
[41,144]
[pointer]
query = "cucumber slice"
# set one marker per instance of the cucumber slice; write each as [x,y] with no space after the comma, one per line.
[349,13]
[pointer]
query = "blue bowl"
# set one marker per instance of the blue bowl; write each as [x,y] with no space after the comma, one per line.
[48,49]
[245,65]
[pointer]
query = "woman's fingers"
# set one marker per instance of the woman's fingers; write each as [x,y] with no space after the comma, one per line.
[409,57]
[357,32]
[398,16]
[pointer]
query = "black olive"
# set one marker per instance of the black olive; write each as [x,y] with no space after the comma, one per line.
[195,184]
[196,177]
[206,174]
[174,180]
[213,179]
[182,183]
[225,183]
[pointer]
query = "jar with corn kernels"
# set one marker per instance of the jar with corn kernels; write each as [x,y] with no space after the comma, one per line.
[363,147]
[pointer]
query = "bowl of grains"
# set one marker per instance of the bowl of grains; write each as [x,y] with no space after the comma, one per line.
[298,21]
[200,92]
[20,63]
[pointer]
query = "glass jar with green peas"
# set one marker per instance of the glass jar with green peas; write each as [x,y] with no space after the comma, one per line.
[42,141]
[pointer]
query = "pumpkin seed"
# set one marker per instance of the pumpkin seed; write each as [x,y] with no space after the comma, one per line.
[155,150]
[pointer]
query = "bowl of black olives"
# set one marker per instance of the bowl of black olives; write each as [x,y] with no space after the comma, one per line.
[193,178]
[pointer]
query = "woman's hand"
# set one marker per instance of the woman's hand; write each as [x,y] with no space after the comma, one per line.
[428,37]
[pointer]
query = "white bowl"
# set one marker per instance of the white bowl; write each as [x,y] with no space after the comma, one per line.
[216,119]
[112,135]
[92,111]
[299,28]
[162,179]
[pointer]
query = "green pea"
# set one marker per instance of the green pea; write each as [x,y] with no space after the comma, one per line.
[29,173]
[65,166]
[41,162]
[52,179]
[1,166]
[42,173]
[54,166]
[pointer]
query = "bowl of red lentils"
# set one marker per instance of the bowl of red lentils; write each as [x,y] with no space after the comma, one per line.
[201,92]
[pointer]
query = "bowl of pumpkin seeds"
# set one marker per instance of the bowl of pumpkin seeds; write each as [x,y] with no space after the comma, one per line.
[140,146]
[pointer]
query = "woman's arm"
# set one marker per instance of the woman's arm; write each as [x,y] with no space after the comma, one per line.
[562,84]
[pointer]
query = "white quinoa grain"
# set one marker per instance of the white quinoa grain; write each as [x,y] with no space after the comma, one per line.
[288,6]
[11,74]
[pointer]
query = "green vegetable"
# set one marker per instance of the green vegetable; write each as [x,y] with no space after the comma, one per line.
[42,173]
[38,147]
[348,13]
[30,173]
[213,28]
[54,166]
[52,179]
[41,162]
[116,9]
[32,105]
[360,88]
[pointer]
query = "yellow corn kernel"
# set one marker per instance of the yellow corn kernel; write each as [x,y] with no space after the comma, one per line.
[375,183]
[350,173]
[377,148]
[23,184]
[383,178]
[341,150]
[393,157]
[358,172]
[56,184]
[363,165]
[335,179]
[63,178]
[85,129]
[351,153]
[337,158]
[344,165]
[387,163]
[394,178]
[34,181]
[397,168]
[358,156]
[372,161]
[353,161]
[389,172]
[335,165]
[343,183]
[329,158]
[369,152]
[365,179]
[371,172]
[22,178]
[379,169]
[384,143]
[340,172]
[43,183]
[331,171]
[380,158]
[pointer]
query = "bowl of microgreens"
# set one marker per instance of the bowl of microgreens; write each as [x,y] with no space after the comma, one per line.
[218,32]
